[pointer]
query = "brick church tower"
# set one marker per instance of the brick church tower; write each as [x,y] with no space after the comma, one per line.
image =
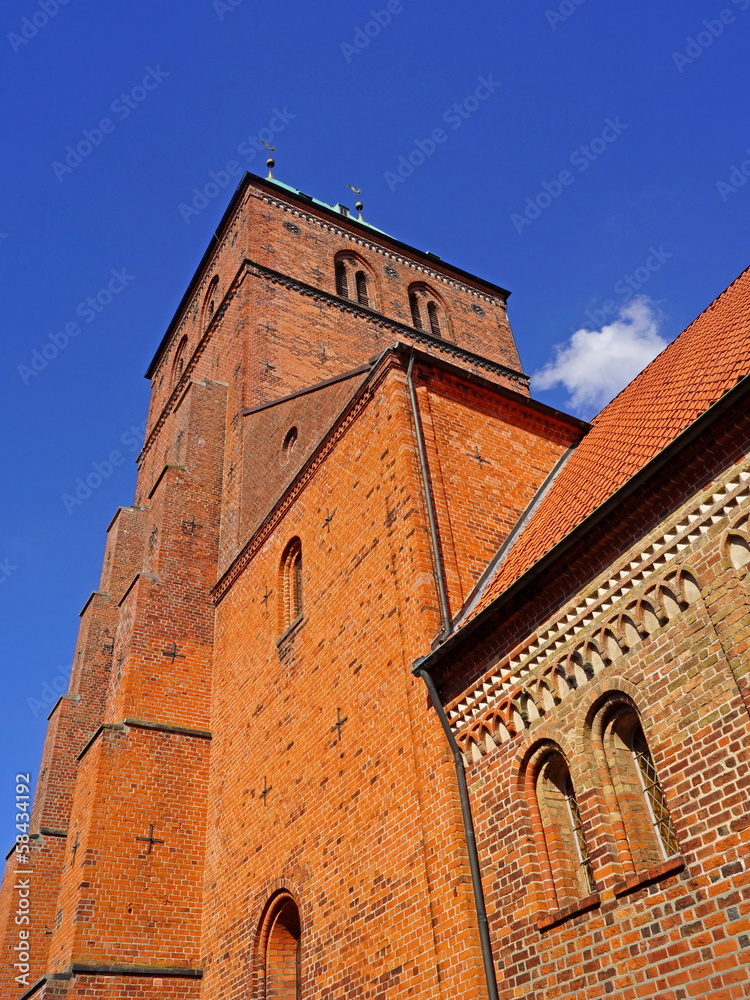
[246,792]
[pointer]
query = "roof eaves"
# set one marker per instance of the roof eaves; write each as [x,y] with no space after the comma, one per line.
[484,618]
[307,201]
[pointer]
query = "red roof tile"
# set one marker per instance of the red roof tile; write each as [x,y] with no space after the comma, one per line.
[695,370]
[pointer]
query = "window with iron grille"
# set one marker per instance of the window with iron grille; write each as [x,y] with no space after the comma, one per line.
[652,792]
[564,836]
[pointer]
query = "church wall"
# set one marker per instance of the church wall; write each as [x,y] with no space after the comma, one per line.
[666,626]
[45,860]
[121,903]
[364,831]
[488,455]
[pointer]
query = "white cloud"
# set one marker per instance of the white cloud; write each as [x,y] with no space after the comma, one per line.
[594,365]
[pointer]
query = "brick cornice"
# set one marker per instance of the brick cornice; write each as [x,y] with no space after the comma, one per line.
[388,253]
[254,268]
[402,329]
[476,714]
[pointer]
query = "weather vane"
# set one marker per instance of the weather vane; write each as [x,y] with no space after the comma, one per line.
[270,162]
[359,206]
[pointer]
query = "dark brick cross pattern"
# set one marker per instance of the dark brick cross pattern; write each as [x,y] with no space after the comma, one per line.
[190,526]
[477,456]
[172,653]
[338,725]
[264,794]
[151,839]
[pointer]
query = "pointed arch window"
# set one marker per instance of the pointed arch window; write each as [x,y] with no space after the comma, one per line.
[291,584]
[210,302]
[648,826]
[564,836]
[354,280]
[280,946]
[427,312]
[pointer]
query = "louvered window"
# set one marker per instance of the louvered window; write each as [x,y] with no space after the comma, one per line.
[432,312]
[342,285]
[416,317]
[361,281]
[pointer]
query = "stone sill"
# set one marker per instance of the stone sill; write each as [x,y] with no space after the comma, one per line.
[548,920]
[641,879]
[290,631]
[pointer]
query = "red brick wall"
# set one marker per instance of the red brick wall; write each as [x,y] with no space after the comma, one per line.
[365,832]
[673,646]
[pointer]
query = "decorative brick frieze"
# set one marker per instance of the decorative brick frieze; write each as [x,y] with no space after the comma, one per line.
[644,591]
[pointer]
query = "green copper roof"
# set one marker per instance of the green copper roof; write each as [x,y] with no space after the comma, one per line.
[323,204]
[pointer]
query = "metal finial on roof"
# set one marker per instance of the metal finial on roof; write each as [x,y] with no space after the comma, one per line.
[359,206]
[270,162]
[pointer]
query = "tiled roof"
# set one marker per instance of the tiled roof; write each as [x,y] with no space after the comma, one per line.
[694,371]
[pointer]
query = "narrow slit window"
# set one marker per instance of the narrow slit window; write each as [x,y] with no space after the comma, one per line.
[432,312]
[416,317]
[640,800]
[361,282]
[564,836]
[652,791]
[210,301]
[291,584]
[179,361]
[342,284]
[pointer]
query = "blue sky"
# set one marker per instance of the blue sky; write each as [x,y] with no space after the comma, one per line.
[598,175]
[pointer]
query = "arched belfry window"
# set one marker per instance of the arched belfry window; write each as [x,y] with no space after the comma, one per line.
[427,311]
[210,302]
[641,802]
[416,315]
[362,293]
[563,830]
[353,280]
[342,283]
[178,365]
[290,584]
[280,949]
[434,316]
